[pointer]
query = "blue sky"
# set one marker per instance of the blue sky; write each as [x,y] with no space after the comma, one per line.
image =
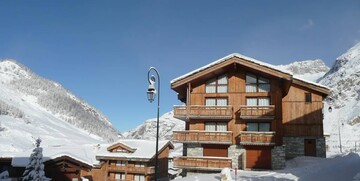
[101,50]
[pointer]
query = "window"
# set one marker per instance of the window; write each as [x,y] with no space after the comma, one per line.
[308,98]
[260,127]
[216,102]
[217,85]
[119,176]
[257,84]
[139,164]
[215,126]
[139,178]
[120,163]
[258,101]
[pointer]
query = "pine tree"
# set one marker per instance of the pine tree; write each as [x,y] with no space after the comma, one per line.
[34,171]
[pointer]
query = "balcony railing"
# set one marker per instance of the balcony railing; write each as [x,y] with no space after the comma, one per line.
[257,112]
[218,137]
[202,163]
[257,138]
[142,170]
[203,112]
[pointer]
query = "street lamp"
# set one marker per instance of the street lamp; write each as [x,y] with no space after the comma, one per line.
[151,92]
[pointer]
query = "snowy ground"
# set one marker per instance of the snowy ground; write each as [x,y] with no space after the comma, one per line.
[339,168]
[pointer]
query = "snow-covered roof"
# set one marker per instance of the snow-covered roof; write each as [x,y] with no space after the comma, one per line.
[310,82]
[227,58]
[143,149]
[82,153]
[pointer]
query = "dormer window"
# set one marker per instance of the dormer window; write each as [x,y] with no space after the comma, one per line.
[217,85]
[257,84]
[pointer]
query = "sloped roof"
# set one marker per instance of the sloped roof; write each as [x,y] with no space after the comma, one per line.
[228,57]
[143,149]
[242,59]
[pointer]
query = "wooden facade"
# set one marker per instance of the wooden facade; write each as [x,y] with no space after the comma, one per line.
[257,97]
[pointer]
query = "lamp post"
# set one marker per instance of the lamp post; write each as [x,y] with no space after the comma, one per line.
[151,96]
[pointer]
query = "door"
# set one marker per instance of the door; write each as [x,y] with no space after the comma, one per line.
[216,150]
[258,157]
[310,147]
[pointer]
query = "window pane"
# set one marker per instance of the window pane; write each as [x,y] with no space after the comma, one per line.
[210,88]
[264,101]
[210,126]
[251,101]
[222,127]
[251,127]
[210,102]
[117,176]
[263,80]
[221,102]
[222,88]
[211,82]
[308,97]
[223,80]
[251,88]
[265,127]
[250,79]
[122,176]
[264,87]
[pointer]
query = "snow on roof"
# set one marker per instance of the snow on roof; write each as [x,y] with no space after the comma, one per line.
[144,149]
[310,82]
[82,153]
[226,58]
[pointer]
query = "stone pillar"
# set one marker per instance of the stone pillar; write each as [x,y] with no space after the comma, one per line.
[194,150]
[278,157]
[321,147]
[236,153]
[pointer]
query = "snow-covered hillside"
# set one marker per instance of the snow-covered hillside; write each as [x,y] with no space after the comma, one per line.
[147,130]
[310,70]
[32,107]
[344,82]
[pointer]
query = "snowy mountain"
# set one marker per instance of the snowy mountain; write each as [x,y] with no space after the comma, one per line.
[147,130]
[310,70]
[32,107]
[344,82]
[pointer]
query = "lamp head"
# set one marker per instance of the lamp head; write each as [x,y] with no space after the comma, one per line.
[151,92]
[330,109]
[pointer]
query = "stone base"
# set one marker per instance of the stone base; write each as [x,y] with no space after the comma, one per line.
[278,158]
[294,146]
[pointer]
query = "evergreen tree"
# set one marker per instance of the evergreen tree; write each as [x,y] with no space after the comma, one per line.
[34,171]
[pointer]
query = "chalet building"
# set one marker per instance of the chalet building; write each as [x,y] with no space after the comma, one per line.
[134,160]
[244,113]
[125,160]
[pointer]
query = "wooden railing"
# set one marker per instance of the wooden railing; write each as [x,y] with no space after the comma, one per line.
[203,112]
[218,137]
[143,170]
[202,163]
[257,112]
[257,138]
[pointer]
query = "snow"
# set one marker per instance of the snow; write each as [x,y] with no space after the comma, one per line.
[226,58]
[342,167]
[144,149]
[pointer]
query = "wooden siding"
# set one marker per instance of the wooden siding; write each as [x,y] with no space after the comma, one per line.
[202,163]
[219,137]
[203,112]
[132,169]
[257,112]
[257,138]
[299,117]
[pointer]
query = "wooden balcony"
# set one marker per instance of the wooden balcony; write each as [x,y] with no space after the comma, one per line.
[257,112]
[257,138]
[203,112]
[217,137]
[202,163]
[140,170]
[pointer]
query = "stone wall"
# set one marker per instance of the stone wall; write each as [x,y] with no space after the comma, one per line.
[194,150]
[237,155]
[294,146]
[278,157]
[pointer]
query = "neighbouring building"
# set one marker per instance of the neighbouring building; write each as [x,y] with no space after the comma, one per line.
[125,160]
[244,113]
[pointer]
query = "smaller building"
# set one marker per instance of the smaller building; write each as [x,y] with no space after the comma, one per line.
[127,159]
[134,160]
